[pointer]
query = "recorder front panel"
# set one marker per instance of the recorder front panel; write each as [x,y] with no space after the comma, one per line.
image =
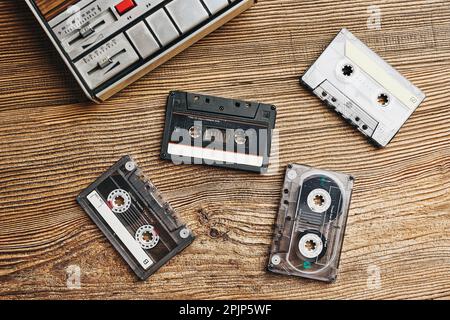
[110,43]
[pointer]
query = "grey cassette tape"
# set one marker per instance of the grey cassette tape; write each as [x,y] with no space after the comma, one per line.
[108,44]
[139,223]
[363,88]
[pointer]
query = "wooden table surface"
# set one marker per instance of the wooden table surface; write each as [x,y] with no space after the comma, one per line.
[54,143]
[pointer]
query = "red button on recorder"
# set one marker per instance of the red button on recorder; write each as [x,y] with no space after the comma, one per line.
[124,6]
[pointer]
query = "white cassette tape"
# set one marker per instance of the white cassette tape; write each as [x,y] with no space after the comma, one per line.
[363,88]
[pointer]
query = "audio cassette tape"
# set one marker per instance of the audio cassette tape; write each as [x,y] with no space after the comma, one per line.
[216,131]
[363,88]
[129,210]
[108,44]
[311,223]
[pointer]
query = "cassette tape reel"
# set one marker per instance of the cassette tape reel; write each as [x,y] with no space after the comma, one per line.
[142,227]
[311,223]
[363,88]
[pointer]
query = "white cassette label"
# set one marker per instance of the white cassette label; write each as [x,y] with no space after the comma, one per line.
[380,75]
[215,155]
[119,229]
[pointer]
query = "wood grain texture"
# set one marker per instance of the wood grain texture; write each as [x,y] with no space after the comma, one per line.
[54,143]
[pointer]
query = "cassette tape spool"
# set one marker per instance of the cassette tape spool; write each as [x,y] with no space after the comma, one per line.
[129,210]
[216,131]
[363,88]
[311,223]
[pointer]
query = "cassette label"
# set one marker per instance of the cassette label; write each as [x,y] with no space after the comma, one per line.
[363,88]
[119,229]
[135,218]
[311,223]
[216,131]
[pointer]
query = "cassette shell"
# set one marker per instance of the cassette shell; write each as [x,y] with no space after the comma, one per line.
[309,233]
[184,109]
[142,227]
[363,88]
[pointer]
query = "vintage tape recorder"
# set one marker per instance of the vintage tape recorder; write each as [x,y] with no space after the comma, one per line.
[108,44]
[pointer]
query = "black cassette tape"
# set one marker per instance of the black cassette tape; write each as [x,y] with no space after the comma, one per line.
[311,223]
[142,227]
[216,131]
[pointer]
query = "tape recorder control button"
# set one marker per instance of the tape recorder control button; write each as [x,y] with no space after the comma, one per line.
[124,6]
[187,14]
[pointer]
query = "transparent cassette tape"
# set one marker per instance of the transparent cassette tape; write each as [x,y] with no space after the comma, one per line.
[129,210]
[311,223]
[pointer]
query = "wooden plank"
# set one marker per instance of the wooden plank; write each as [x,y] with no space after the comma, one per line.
[54,143]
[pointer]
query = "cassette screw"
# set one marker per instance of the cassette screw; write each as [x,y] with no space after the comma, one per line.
[195,132]
[276,260]
[184,233]
[130,166]
[291,174]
